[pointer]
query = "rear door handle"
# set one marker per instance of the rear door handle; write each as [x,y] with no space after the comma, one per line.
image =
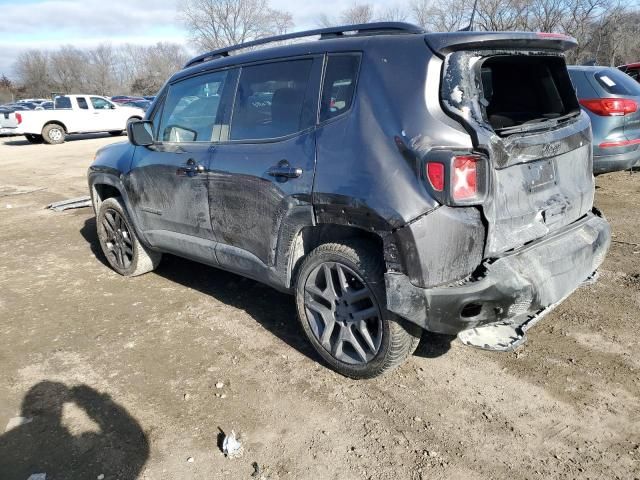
[284,170]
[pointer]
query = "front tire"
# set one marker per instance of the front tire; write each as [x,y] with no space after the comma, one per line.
[340,297]
[53,134]
[119,242]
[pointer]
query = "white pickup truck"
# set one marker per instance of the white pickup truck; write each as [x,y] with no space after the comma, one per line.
[74,114]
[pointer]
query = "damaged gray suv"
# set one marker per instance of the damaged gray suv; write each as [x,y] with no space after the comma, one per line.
[392,180]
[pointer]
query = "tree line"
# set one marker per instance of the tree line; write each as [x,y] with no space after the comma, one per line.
[103,70]
[607,30]
[607,34]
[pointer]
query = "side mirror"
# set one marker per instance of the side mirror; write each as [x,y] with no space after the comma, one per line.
[140,133]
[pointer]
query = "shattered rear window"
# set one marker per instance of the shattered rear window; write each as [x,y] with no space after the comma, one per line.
[525,89]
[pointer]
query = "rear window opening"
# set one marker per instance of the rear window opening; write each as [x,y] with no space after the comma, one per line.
[525,92]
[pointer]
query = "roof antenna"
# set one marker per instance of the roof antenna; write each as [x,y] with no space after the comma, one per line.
[469,28]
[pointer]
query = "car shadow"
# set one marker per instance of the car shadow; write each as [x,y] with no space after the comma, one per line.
[19,140]
[39,442]
[273,310]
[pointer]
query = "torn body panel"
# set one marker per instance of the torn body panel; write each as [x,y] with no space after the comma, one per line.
[443,246]
[541,178]
[509,289]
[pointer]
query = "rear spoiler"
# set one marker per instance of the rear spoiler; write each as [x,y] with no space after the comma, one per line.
[445,43]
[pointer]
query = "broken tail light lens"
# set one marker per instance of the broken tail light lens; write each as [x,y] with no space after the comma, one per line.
[610,107]
[18,118]
[456,179]
[464,183]
[435,174]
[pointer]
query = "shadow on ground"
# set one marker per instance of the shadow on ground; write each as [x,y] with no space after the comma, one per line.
[19,140]
[274,310]
[41,444]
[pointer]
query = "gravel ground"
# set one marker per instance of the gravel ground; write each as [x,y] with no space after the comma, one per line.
[139,378]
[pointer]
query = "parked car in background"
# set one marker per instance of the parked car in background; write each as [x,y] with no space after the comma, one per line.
[125,98]
[27,105]
[631,69]
[393,180]
[75,114]
[143,104]
[612,100]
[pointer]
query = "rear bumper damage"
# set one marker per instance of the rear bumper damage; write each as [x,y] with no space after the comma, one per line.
[509,293]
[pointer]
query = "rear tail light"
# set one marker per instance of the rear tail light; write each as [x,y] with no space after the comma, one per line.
[465,177]
[610,107]
[435,174]
[457,179]
[19,118]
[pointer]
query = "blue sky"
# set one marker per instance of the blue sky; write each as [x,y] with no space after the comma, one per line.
[47,24]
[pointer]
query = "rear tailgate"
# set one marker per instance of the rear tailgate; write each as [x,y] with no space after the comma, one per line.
[513,94]
[8,120]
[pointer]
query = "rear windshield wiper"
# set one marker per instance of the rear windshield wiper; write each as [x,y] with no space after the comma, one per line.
[535,124]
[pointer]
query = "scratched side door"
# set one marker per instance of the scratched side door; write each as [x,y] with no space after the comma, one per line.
[168,181]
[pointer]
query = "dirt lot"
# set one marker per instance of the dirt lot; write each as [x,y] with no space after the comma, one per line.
[120,376]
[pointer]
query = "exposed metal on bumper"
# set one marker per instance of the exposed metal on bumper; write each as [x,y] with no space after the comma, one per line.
[513,289]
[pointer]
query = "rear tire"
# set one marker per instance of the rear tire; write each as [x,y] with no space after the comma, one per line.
[346,321]
[119,242]
[35,139]
[53,134]
[115,133]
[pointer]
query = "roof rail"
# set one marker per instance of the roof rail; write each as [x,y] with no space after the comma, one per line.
[376,28]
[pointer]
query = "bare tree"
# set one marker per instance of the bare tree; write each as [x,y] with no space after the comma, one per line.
[220,23]
[357,13]
[442,16]
[546,15]
[6,89]
[101,70]
[501,15]
[32,70]
[393,14]
[68,67]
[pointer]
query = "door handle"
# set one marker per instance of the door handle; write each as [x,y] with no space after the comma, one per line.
[284,170]
[191,168]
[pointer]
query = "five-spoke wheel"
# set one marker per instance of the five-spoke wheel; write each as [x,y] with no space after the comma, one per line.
[343,313]
[340,297]
[119,242]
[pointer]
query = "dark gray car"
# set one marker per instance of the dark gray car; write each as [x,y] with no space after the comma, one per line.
[391,179]
[612,100]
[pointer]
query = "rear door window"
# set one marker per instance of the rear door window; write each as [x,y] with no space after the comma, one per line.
[339,85]
[82,103]
[617,83]
[62,102]
[192,109]
[270,100]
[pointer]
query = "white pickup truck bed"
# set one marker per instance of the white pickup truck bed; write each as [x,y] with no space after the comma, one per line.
[74,114]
